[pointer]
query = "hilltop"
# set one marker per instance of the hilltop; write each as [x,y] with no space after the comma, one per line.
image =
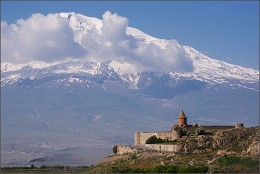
[231,150]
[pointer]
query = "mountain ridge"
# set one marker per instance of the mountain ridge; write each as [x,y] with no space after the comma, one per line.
[205,69]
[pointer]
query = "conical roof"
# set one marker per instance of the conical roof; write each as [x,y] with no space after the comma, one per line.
[182,115]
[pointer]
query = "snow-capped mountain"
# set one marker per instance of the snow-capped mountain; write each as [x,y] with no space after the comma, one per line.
[72,105]
[205,69]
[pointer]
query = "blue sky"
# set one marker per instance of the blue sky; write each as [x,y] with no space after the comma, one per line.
[226,31]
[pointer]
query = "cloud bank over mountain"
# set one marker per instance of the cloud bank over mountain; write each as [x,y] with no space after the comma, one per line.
[44,38]
[52,38]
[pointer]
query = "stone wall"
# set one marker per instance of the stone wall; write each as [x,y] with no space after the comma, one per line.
[141,137]
[239,125]
[163,147]
[172,135]
[192,129]
[122,149]
[216,127]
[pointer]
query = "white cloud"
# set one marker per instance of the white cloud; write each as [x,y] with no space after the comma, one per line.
[40,37]
[156,58]
[50,38]
[115,44]
[114,27]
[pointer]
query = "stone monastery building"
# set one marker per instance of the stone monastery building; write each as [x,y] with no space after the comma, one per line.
[141,137]
[174,134]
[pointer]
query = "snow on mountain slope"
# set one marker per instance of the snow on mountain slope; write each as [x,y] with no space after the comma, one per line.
[82,24]
[205,69]
[215,71]
[162,43]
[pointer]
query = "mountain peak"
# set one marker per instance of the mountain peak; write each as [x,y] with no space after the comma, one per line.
[134,52]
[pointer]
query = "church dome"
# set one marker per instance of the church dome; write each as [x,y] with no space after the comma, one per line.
[182,115]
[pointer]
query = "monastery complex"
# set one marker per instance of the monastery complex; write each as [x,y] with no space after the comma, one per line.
[179,132]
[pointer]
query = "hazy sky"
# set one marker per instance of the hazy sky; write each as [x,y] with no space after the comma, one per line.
[226,31]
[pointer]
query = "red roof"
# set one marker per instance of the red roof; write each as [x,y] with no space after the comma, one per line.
[182,115]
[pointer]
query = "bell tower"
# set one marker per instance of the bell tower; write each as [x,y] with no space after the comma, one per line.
[182,119]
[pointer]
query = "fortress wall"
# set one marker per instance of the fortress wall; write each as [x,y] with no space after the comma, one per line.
[124,149]
[136,138]
[168,135]
[121,149]
[163,147]
[216,127]
[209,128]
[141,137]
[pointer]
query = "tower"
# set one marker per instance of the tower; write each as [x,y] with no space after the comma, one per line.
[182,119]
